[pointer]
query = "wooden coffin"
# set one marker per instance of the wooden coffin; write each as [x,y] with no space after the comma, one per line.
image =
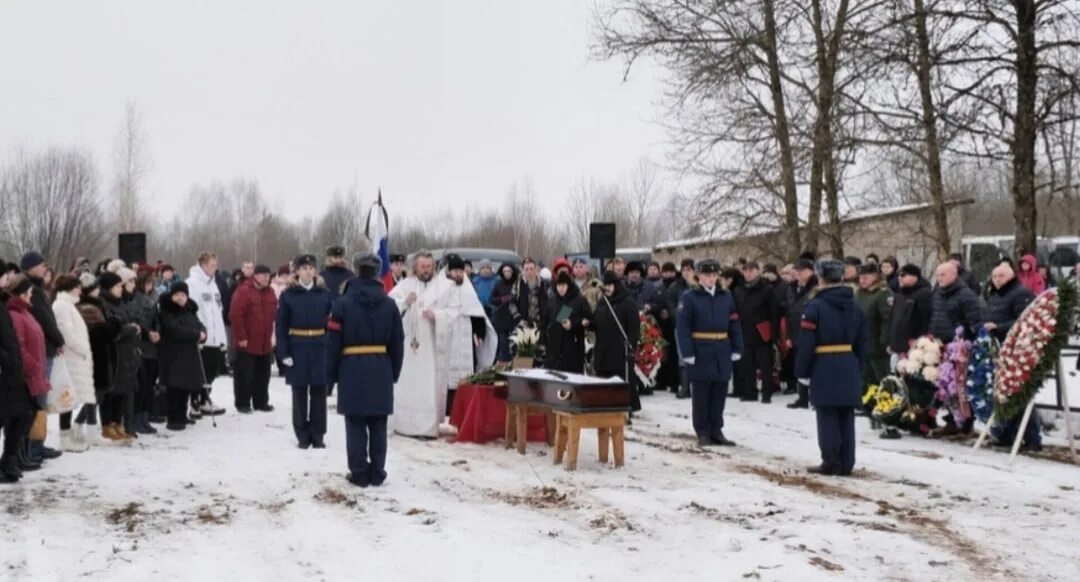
[569,392]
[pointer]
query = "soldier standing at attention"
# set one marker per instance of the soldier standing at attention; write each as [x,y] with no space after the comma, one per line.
[833,348]
[710,339]
[366,348]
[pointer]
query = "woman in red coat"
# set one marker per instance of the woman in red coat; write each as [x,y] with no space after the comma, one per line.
[31,340]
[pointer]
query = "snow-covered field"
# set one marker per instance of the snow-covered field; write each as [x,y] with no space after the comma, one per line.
[241,502]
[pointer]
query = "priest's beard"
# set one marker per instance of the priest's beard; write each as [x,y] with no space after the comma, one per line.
[459,281]
[425,277]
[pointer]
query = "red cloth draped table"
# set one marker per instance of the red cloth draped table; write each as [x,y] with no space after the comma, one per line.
[480,416]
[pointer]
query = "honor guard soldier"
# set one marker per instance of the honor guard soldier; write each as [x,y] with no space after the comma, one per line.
[710,339]
[366,348]
[303,310]
[833,347]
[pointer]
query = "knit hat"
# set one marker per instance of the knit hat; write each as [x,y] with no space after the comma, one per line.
[178,287]
[115,265]
[911,270]
[561,264]
[869,269]
[564,278]
[88,281]
[668,267]
[31,260]
[262,270]
[108,280]
[610,278]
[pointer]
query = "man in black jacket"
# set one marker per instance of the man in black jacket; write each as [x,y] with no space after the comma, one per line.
[912,308]
[966,276]
[1007,301]
[955,305]
[760,317]
[33,266]
[798,295]
[682,283]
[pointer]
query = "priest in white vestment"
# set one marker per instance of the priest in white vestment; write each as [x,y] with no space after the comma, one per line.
[442,317]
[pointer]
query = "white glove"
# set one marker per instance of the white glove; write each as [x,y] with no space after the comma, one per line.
[689,361]
[735,357]
[804,381]
[287,362]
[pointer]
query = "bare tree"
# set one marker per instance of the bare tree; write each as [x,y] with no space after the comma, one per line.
[1026,63]
[131,164]
[50,202]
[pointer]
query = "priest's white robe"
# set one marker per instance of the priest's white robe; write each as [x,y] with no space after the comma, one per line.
[438,354]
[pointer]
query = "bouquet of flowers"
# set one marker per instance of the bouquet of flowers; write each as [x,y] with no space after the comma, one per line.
[525,340]
[1032,349]
[889,400]
[922,360]
[980,375]
[650,351]
[489,375]
[952,377]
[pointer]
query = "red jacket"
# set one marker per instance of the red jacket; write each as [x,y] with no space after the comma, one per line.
[31,346]
[252,315]
[1031,279]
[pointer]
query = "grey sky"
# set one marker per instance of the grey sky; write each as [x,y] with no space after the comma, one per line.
[437,101]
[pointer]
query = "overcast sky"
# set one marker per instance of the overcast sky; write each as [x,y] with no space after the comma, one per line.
[437,101]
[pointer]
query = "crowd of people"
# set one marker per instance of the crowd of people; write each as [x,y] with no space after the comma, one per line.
[115,349]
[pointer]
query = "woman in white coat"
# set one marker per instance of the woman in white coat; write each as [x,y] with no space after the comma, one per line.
[79,361]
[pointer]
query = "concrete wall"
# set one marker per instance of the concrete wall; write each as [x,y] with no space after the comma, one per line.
[906,236]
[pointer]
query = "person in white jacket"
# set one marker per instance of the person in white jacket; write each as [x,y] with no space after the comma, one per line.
[79,361]
[204,292]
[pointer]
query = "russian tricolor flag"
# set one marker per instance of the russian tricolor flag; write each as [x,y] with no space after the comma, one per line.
[377,232]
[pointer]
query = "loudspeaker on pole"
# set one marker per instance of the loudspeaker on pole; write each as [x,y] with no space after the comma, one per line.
[132,247]
[602,240]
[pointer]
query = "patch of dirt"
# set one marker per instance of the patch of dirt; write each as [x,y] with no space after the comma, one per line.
[925,455]
[417,511]
[611,521]
[681,449]
[331,496]
[825,564]
[931,531]
[214,514]
[536,498]
[277,506]
[129,516]
[742,519]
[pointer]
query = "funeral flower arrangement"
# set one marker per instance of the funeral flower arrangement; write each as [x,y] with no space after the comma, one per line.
[952,377]
[887,400]
[1032,349]
[650,351]
[922,360]
[525,340]
[980,375]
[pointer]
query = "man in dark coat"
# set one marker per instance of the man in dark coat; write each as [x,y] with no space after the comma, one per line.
[709,330]
[668,376]
[685,281]
[760,318]
[33,266]
[563,331]
[253,310]
[618,327]
[913,306]
[1008,299]
[336,274]
[833,347]
[798,297]
[303,310]
[876,300]
[366,348]
[965,276]
[955,306]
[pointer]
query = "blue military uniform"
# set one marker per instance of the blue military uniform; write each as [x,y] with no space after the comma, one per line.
[336,277]
[709,335]
[833,348]
[301,345]
[366,347]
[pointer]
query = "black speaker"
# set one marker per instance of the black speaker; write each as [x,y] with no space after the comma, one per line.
[132,247]
[602,240]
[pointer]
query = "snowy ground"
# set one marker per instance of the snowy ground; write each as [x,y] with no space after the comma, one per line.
[241,502]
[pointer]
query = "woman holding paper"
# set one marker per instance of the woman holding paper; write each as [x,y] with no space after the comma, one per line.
[562,327]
